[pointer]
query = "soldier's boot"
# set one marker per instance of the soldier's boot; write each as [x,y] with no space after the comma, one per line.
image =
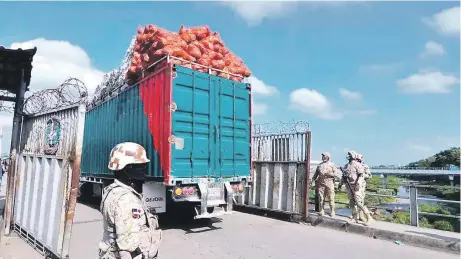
[362,216]
[369,218]
[322,209]
[332,208]
[355,217]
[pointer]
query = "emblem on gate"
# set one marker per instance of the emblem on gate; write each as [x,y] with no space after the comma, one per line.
[52,136]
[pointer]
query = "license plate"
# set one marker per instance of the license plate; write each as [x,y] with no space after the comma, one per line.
[214,193]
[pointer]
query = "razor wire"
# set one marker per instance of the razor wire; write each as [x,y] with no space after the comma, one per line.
[71,92]
[279,127]
[113,81]
[6,106]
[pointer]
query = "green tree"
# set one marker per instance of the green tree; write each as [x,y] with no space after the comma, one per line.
[447,157]
[443,158]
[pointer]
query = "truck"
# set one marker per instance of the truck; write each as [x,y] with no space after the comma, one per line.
[196,129]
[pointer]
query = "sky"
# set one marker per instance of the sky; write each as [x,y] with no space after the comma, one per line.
[380,78]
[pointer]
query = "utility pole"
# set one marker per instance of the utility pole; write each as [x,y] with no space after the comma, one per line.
[1,139]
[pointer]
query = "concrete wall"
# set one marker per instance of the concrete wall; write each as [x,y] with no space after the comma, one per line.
[278,186]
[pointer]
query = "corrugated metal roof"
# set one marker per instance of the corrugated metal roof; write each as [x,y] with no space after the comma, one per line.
[11,63]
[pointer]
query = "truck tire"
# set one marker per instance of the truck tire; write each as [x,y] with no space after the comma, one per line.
[85,192]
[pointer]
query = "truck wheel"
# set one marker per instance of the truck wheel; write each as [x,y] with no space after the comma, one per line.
[210,209]
[85,192]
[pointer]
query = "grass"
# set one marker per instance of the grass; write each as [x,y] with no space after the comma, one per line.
[433,209]
[425,222]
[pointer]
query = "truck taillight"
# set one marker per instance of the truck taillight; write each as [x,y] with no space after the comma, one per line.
[178,191]
[188,190]
[238,187]
[184,191]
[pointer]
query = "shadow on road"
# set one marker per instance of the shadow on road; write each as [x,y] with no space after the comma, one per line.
[175,220]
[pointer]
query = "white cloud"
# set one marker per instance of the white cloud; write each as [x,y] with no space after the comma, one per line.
[259,87]
[259,108]
[56,61]
[6,119]
[446,22]
[432,48]
[428,82]
[418,147]
[313,102]
[254,12]
[350,95]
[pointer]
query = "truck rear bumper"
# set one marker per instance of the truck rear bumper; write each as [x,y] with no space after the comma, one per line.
[226,203]
[212,215]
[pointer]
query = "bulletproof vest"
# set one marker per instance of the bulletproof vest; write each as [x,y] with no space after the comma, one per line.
[112,228]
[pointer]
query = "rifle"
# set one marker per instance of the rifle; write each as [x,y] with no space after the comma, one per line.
[348,184]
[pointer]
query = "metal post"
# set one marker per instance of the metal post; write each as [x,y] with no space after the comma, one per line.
[414,219]
[308,171]
[384,181]
[1,139]
[452,178]
[15,138]
[317,203]
[75,159]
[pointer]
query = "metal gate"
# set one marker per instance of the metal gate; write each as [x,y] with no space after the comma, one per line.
[281,168]
[47,179]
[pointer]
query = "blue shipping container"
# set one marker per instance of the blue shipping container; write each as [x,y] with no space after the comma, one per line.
[192,124]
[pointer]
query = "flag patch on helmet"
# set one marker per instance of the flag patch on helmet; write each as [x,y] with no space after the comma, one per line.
[136,213]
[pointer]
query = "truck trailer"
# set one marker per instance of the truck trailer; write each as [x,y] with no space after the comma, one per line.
[195,127]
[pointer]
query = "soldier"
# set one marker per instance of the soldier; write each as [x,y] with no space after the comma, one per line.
[324,179]
[130,230]
[367,176]
[355,172]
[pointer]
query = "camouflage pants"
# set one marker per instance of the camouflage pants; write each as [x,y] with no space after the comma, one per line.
[111,255]
[326,192]
[359,197]
[363,188]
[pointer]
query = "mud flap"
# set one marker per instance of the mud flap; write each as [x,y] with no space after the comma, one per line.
[204,202]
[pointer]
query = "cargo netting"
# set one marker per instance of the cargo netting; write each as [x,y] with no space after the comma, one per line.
[194,47]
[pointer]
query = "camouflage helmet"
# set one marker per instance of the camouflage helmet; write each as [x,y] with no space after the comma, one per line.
[352,154]
[125,154]
[326,154]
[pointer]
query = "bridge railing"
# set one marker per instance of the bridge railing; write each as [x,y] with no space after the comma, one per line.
[415,208]
[415,168]
[415,199]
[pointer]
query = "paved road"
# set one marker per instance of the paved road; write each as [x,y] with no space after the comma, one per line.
[237,236]
[247,236]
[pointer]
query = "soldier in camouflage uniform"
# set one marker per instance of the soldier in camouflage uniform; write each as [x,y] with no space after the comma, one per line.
[355,176]
[324,179]
[130,230]
[363,186]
